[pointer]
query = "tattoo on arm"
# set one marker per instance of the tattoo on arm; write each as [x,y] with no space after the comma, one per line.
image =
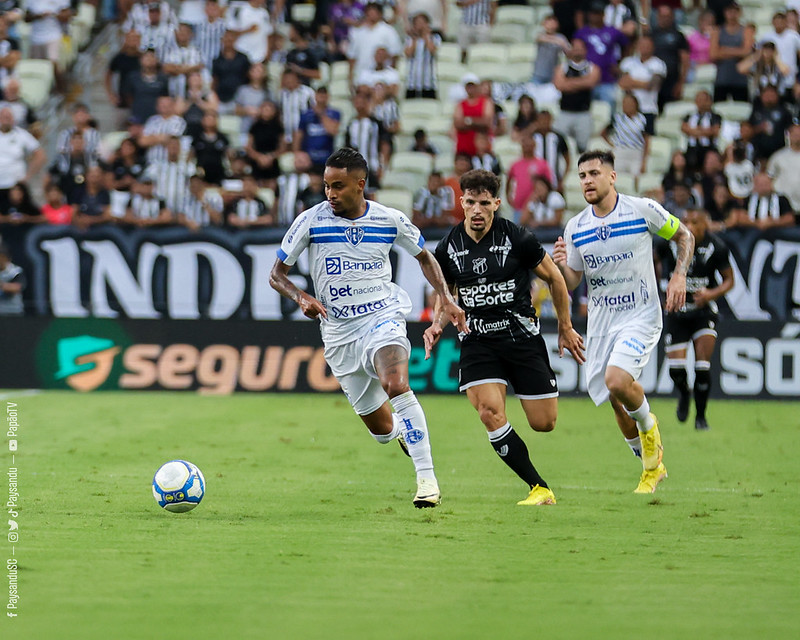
[685,241]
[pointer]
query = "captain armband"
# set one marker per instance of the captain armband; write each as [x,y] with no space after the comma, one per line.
[670,228]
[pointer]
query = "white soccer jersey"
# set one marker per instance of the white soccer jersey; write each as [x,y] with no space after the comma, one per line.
[615,253]
[350,267]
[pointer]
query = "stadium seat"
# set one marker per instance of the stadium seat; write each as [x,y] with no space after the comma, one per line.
[109,142]
[704,73]
[303,12]
[412,161]
[36,80]
[451,71]
[80,26]
[487,52]
[601,115]
[522,52]
[519,71]
[453,21]
[340,70]
[401,199]
[660,154]
[626,183]
[731,110]
[449,52]
[339,90]
[497,71]
[509,33]
[648,181]
[677,110]
[231,126]
[268,196]
[286,162]
[444,145]
[408,180]
[507,145]
[514,14]
[420,107]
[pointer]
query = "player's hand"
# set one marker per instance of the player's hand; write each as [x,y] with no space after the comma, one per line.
[572,341]
[456,316]
[676,292]
[431,337]
[701,298]
[560,252]
[311,307]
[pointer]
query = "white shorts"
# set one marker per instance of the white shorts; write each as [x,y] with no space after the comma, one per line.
[353,363]
[629,349]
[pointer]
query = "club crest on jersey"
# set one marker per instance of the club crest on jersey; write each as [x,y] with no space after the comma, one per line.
[354,235]
[603,232]
[479,265]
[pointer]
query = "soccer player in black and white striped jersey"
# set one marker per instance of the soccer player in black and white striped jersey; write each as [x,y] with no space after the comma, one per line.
[249,210]
[363,135]
[146,209]
[421,47]
[202,208]
[160,128]
[181,60]
[208,33]
[171,177]
[295,98]
[477,18]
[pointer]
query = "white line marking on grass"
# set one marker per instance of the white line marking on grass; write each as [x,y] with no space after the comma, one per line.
[20,394]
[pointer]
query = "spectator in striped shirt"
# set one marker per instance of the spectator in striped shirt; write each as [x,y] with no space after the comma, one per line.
[69,169]
[433,204]
[421,47]
[171,176]
[551,146]
[363,134]
[296,98]
[387,112]
[484,158]
[544,208]
[477,18]
[203,207]
[146,209]
[701,130]
[629,135]
[181,60]
[158,34]
[85,125]
[248,210]
[140,15]
[208,33]
[160,128]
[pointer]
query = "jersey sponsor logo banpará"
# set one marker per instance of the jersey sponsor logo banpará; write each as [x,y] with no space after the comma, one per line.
[336,266]
[593,261]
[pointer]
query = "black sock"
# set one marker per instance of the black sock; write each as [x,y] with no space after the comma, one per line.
[678,375]
[702,387]
[512,450]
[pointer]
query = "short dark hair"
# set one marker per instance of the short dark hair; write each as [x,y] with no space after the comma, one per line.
[605,157]
[349,159]
[479,180]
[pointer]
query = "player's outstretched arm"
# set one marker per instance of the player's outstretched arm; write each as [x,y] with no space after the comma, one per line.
[571,277]
[433,274]
[568,338]
[676,287]
[279,280]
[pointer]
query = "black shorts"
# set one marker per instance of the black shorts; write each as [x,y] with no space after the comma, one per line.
[524,365]
[680,330]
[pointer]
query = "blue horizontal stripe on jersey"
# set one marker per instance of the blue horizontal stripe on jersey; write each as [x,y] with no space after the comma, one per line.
[379,230]
[329,238]
[616,234]
[614,225]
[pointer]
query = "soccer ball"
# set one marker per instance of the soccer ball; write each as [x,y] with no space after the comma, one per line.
[178,486]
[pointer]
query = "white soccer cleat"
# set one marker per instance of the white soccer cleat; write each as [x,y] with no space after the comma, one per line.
[427,494]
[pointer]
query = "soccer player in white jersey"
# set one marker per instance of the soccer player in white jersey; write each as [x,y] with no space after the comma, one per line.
[362,312]
[610,242]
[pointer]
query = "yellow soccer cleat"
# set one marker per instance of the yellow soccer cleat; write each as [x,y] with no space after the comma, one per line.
[650,479]
[428,494]
[539,496]
[652,450]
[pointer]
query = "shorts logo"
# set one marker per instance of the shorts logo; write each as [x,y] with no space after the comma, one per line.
[479,266]
[603,233]
[354,235]
[333,266]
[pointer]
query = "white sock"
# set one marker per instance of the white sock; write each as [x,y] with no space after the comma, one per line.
[499,434]
[636,446]
[644,421]
[385,438]
[415,431]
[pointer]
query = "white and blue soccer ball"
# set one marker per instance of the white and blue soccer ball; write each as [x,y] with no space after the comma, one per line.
[178,486]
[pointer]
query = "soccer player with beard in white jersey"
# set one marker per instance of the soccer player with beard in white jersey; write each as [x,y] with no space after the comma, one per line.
[362,312]
[610,243]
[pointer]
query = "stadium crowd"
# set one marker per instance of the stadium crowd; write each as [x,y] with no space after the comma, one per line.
[227,111]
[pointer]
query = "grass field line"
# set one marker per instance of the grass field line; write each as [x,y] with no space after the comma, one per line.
[21,393]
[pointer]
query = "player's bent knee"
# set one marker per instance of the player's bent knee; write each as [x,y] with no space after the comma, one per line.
[543,424]
[395,388]
[491,417]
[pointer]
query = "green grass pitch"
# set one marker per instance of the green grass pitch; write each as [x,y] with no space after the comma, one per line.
[307,528]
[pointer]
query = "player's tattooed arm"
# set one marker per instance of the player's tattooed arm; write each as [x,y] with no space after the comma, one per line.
[676,288]
[279,280]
